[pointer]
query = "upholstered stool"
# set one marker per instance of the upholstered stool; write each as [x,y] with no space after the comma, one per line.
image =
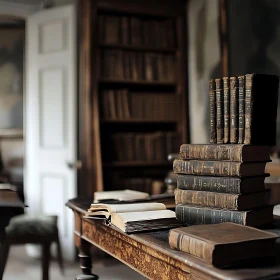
[43,230]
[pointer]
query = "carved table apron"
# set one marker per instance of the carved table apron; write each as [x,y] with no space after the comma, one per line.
[150,254]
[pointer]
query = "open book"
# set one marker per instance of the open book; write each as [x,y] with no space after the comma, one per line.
[122,195]
[135,217]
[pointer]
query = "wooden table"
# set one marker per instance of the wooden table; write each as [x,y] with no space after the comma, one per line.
[10,206]
[150,254]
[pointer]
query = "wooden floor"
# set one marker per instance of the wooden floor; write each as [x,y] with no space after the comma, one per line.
[22,267]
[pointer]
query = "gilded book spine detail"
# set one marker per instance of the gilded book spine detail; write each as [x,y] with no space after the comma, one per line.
[233,109]
[248,108]
[207,199]
[209,184]
[212,152]
[197,215]
[217,168]
[241,109]
[226,109]
[212,101]
[219,112]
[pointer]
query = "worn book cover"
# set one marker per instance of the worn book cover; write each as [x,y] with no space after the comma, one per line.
[223,244]
[230,152]
[220,200]
[218,168]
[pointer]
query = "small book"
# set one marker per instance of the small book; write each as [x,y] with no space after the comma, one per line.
[220,110]
[135,217]
[196,215]
[225,244]
[233,110]
[122,195]
[212,103]
[230,152]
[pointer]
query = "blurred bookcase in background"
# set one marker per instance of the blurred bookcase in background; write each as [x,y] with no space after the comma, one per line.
[132,93]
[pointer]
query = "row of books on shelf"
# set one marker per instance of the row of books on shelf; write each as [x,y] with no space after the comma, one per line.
[136,31]
[150,147]
[137,66]
[238,111]
[124,105]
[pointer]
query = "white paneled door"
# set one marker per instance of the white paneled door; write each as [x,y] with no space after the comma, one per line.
[51,117]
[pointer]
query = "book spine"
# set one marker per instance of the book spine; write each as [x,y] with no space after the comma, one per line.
[241,109]
[226,109]
[219,111]
[216,168]
[190,245]
[207,199]
[233,109]
[209,184]
[212,102]
[212,152]
[197,215]
[248,108]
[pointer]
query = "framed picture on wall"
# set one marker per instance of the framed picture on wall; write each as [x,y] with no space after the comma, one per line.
[11,79]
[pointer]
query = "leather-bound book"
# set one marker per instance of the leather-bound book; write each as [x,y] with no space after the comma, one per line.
[125,30]
[227,201]
[196,215]
[233,109]
[230,152]
[220,110]
[221,184]
[261,99]
[224,244]
[218,168]
[112,30]
[212,103]
[136,31]
[226,109]
[241,109]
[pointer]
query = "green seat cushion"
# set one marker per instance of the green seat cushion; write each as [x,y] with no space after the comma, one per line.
[32,226]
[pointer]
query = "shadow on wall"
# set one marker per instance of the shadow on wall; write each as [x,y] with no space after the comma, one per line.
[254,38]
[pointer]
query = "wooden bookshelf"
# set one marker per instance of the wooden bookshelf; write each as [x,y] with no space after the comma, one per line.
[132,91]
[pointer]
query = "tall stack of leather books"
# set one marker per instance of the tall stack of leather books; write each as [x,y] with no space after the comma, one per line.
[224,181]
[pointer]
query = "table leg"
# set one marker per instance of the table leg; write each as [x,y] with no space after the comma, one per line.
[85,261]
[4,252]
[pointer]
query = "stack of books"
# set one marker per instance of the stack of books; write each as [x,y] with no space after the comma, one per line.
[224,181]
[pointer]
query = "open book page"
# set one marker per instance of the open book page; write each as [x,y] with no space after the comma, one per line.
[141,216]
[119,195]
[99,209]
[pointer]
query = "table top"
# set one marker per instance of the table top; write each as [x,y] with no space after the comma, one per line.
[157,245]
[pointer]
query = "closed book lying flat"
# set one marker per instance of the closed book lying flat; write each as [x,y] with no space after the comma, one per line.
[223,244]
[135,217]
[196,215]
[221,200]
[243,185]
[231,152]
[218,168]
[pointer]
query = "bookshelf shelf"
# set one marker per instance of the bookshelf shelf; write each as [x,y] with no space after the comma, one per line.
[123,121]
[132,82]
[137,48]
[137,164]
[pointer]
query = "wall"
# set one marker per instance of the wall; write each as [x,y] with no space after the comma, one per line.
[254,39]
[204,63]
[14,148]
